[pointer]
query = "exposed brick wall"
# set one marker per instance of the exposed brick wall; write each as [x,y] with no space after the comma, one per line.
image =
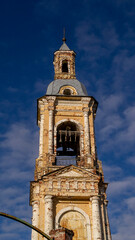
[61,234]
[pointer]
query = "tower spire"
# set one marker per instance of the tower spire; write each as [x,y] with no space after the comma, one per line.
[64,39]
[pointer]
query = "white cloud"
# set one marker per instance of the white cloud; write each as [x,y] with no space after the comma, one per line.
[130,113]
[115,125]
[122,187]
[11,196]
[102,44]
[122,209]
[127,135]
[17,138]
[111,172]
[19,150]
[125,227]
[10,229]
[109,121]
[22,142]
[5,236]
[112,123]
[17,173]
[131,160]
[131,203]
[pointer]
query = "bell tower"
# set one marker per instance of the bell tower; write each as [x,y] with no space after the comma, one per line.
[68,189]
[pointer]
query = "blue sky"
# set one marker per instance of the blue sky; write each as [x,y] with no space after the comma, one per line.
[102,33]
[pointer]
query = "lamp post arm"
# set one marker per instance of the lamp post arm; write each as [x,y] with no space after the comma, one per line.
[26,223]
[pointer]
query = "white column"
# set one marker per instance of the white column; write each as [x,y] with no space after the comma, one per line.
[35,219]
[103,221]
[41,135]
[107,221]
[48,213]
[96,220]
[50,146]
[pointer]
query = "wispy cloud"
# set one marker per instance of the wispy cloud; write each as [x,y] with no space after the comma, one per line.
[41,86]
[12,89]
[131,159]
[115,124]
[112,172]
[20,141]
[124,222]
[121,208]
[96,40]
[131,203]
[123,187]
[19,150]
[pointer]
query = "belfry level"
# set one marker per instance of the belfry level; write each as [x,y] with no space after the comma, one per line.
[68,190]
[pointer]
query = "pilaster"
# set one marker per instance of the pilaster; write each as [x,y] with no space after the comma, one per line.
[103,221]
[96,219]
[50,145]
[48,213]
[107,221]
[85,109]
[86,130]
[51,103]
[41,135]
[92,136]
[35,219]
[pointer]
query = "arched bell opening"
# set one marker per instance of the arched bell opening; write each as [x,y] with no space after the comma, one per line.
[68,143]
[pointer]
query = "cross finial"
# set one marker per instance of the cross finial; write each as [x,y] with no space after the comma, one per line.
[64,39]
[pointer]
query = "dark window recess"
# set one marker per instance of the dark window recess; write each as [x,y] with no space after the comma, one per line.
[68,140]
[67,92]
[65,66]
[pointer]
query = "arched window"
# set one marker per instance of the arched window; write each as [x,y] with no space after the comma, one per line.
[65,66]
[67,91]
[76,215]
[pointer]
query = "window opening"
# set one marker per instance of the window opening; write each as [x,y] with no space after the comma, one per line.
[65,66]
[67,91]
[68,144]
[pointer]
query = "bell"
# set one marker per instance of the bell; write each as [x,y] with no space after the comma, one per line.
[75,136]
[65,136]
[60,137]
[69,135]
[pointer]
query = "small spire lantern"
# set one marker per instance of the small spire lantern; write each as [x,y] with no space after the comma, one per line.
[64,62]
